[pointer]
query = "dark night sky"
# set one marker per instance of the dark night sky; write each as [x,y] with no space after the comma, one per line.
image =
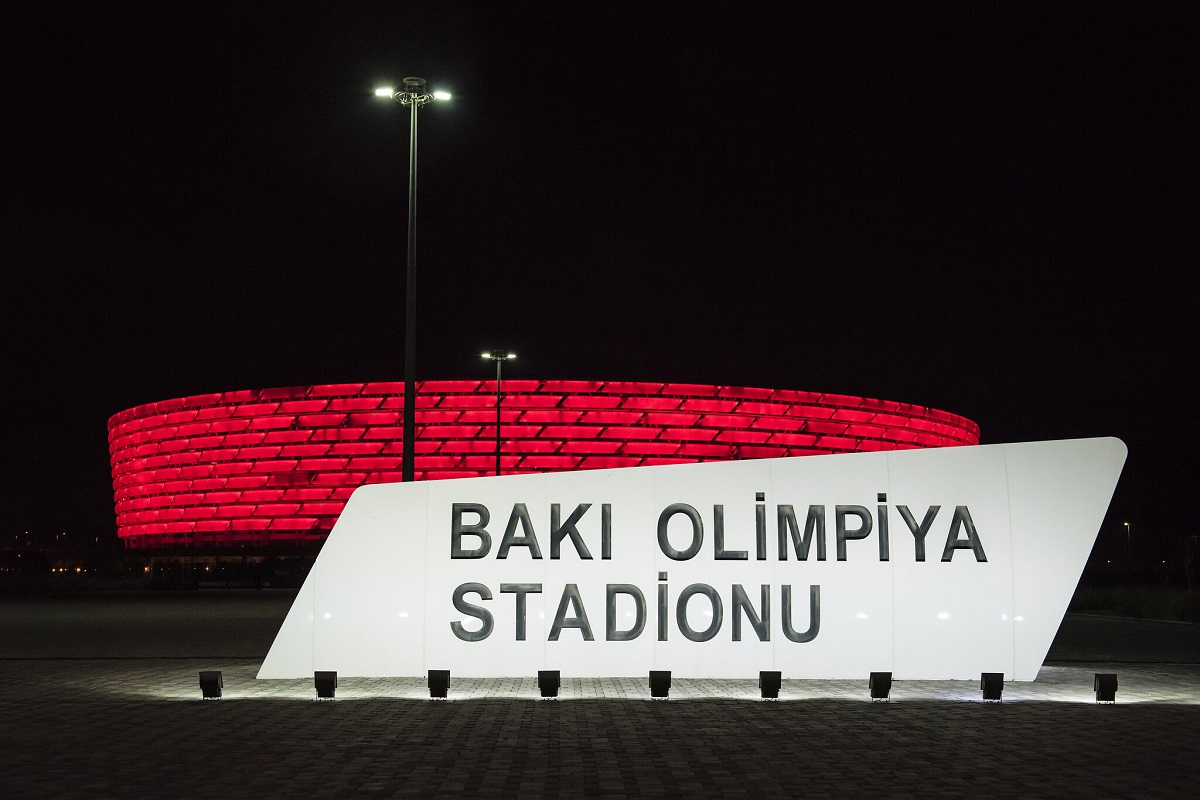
[990,208]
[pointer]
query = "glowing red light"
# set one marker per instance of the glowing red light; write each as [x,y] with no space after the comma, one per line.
[257,465]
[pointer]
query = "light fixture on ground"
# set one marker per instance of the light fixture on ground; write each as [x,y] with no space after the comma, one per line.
[880,685]
[439,683]
[211,683]
[414,95]
[549,681]
[769,682]
[660,682]
[1105,687]
[326,683]
[499,356]
[992,684]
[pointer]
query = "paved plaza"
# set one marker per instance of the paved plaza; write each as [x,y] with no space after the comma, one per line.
[100,699]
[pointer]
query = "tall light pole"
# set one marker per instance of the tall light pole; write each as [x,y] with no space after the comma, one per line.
[414,96]
[1128,545]
[499,356]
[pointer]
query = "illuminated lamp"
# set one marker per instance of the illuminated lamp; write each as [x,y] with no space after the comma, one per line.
[211,683]
[1105,686]
[548,682]
[413,95]
[326,683]
[439,683]
[769,682]
[499,356]
[992,684]
[880,685]
[660,682]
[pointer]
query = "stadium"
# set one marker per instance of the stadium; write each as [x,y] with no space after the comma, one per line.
[262,467]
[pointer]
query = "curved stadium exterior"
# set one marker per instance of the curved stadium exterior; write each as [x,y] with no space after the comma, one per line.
[261,466]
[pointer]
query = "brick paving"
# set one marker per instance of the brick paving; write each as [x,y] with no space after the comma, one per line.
[100,699]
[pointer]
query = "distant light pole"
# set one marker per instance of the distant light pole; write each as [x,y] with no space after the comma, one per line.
[1128,545]
[499,356]
[414,96]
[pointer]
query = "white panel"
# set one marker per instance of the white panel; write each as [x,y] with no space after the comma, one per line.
[855,636]
[379,600]
[1059,492]
[963,600]
[370,612]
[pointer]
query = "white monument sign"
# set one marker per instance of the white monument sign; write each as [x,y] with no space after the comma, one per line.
[931,564]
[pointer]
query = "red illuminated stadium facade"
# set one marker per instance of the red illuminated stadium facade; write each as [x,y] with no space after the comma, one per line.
[264,466]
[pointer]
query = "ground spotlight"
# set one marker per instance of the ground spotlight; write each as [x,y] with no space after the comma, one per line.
[439,683]
[660,682]
[1106,687]
[880,685]
[326,683]
[769,682]
[211,683]
[548,682]
[992,684]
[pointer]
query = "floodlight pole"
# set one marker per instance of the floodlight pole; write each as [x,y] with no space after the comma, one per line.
[408,459]
[413,95]
[499,356]
[498,398]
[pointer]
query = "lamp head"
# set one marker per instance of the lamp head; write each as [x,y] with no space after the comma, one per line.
[413,92]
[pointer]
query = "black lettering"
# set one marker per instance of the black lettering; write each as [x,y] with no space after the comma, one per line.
[843,534]
[457,529]
[664,543]
[611,633]
[814,615]
[741,602]
[681,612]
[962,521]
[719,551]
[471,610]
[520,515]
[919,531]
[814,526]
[558,532]
[520,590]
[570,596]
